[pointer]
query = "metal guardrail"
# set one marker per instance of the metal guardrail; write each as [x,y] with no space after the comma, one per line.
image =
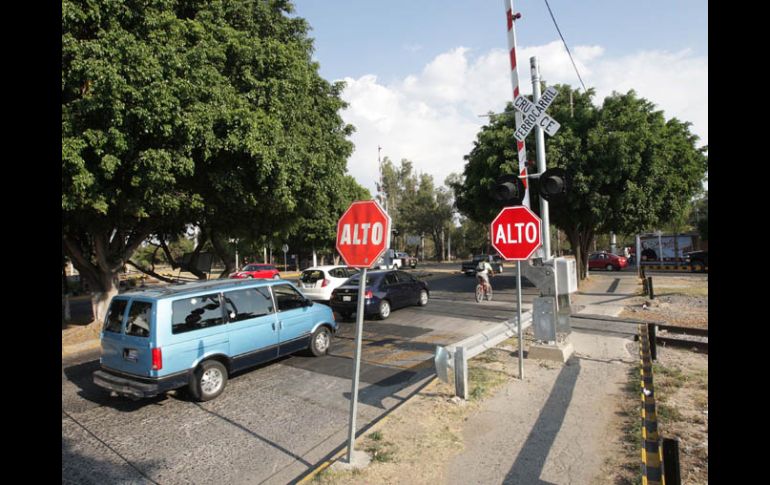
[456,356]
[655,471]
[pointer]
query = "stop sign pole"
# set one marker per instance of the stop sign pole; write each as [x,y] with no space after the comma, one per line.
[363,234]
[516,235]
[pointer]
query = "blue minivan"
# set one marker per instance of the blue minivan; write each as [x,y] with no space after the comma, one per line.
[196,334]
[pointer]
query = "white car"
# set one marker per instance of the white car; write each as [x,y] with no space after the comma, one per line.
[318,282]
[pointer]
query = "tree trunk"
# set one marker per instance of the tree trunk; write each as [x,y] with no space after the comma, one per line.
[99,259]
[223,254]
[100,300]
[581,243]
[64,285]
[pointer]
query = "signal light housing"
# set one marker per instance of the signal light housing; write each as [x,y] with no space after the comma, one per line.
[509,189]
[553,184]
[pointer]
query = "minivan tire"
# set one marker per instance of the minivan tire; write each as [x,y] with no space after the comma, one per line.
[320,341]
[208,381]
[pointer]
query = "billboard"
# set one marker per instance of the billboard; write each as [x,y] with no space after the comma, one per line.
[663,248]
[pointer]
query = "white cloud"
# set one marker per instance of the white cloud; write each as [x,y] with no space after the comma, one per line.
[431,117]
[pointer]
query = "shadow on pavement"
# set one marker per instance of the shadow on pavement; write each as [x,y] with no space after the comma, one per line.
[81,376]
[76,467]
[259,437]
[531,459]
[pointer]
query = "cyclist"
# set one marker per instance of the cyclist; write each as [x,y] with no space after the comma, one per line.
[483,270]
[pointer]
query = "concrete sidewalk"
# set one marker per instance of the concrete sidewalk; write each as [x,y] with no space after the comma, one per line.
[555,425]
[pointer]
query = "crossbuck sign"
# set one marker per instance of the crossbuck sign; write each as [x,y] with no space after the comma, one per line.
[534,114]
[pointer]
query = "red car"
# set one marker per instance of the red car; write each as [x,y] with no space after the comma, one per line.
[607,261]
[265,271]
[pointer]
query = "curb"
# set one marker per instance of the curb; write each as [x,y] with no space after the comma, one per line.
[671,267]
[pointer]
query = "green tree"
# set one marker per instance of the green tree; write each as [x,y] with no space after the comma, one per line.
[179,112]
[316,230]
[429,211]
[630,168]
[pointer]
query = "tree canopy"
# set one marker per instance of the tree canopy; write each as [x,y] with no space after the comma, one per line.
[179,112]
[629,168]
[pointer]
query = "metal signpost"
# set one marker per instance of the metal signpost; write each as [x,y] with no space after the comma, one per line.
[516,235]
[363,234]
[535,117]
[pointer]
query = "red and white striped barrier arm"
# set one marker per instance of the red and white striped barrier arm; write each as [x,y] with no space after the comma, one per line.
[511,17]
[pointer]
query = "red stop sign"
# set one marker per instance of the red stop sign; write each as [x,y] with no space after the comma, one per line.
[516,233]
[363,234]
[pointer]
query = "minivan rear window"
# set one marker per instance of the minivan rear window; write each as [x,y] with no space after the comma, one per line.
[114,318]
[138,323]
[195,313]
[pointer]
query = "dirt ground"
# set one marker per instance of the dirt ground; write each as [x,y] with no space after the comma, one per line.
[679,300]
[414,444]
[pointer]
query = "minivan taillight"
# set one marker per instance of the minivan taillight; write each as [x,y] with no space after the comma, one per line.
[368,294]
[157,359]
[325,283]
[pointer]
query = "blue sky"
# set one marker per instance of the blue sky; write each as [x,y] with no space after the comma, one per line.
[429,68]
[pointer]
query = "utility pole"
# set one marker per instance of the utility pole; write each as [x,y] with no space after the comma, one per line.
[381,187]
[540,145]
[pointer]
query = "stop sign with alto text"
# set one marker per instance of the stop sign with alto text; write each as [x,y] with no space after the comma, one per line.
[363,234]
[516,233]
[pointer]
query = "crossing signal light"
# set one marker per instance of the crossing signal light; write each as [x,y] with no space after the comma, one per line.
[509,189]
[553,183]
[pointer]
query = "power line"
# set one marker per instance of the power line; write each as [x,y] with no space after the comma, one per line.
[565,45]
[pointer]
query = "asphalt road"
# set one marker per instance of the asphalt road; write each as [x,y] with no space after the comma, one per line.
[276,422]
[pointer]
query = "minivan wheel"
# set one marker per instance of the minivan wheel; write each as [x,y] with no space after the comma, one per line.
[320,341]
[423,298]
[384,309]
[209,380]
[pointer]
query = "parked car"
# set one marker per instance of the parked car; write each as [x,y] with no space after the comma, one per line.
[264,271]
[608,261]
[469,267]
[386,290]
[318,282]
[698,260]
[195,335]
[407,260]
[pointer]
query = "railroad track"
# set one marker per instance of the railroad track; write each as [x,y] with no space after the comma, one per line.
[666,335]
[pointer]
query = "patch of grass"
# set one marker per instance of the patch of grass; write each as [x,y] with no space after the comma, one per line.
[668,413]
[688,291]
[632,425]
[381,451]
[701,400]
[487,357]
[376,436]
[482,381]
[667,378]
[513,342]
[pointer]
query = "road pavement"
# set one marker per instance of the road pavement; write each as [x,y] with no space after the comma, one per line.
[276,422]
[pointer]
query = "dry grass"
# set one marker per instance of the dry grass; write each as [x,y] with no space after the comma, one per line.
[428,429]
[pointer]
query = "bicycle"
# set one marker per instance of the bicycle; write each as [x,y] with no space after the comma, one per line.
[483,290]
